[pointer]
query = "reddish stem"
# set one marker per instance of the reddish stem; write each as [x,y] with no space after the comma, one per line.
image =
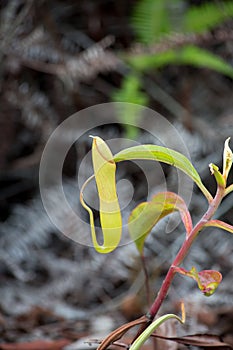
[183,252]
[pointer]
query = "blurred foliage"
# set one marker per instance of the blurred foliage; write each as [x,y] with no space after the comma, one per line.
[131,92]
[188,55]
[150,20]
[169,30]
[153,19]
[207,16]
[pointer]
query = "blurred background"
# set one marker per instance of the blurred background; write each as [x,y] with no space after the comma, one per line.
[59,57]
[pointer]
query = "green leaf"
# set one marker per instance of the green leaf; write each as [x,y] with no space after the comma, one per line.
[207,280]
[144,62]
[199,19]
[137,344]
[218,176]
[130,112]
[219,224]
[130,91]
[165,155]
[150,20]
[188,55]
[145,216]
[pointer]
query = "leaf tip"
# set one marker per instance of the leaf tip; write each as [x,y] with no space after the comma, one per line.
[227,158]
[220,179]
[211,168]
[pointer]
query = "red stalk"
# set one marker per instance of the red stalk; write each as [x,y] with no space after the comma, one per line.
[183,252]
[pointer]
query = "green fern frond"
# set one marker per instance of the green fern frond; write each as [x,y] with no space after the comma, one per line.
[130,91]
[129,113]
[150,20]
[188,55]
[207,16]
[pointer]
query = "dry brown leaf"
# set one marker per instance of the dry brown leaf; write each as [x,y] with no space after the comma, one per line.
[37,345]
[119,332]
[202,340]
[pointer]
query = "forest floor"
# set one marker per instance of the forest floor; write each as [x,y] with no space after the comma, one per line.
[54,292]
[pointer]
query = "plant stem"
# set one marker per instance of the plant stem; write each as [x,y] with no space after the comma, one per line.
[183,252]
[147,283]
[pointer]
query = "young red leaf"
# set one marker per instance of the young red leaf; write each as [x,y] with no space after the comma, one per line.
[207,280]
[172,200]
[145,216]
